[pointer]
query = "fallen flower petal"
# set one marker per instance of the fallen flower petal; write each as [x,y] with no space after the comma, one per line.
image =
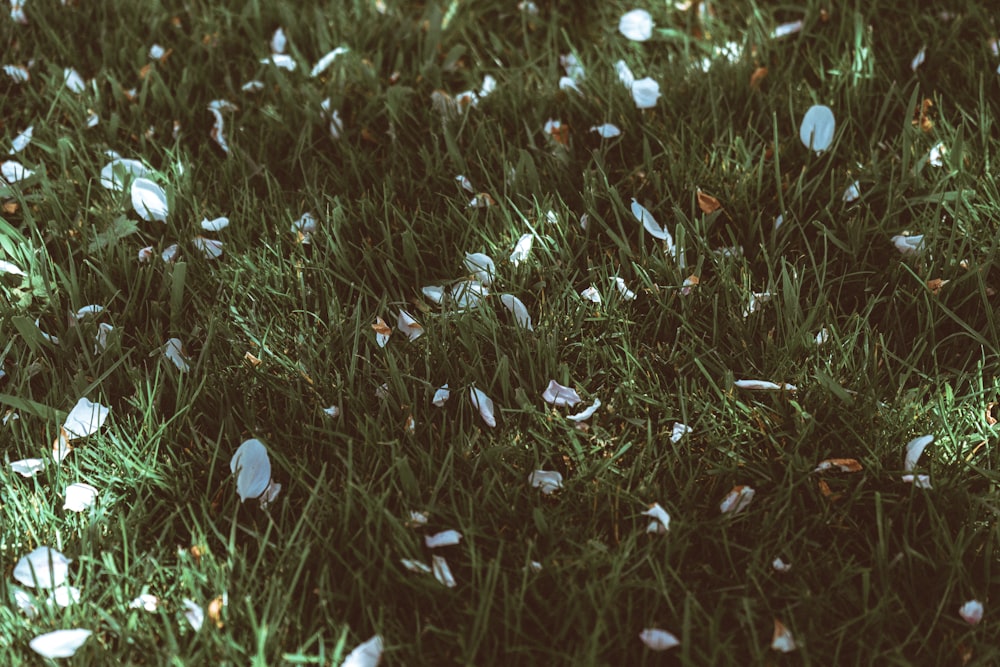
[823,336]
[415,566]
[658,640]
[645,93]
[515,306]
[482,266]
[119,173]
[28,467]
[441,396]
[79,497]
[643,215]
[194,614]
[816,131]
[918,59]
[780,565]
[624,74]
[971,612]
[63,596]
[214,225]
[368,654]
[21,141]
[546,481]
[44,567]
[445,538]
[19,73]
[442,572]
[382,331]
[521,249]
[149,200]
[433,292]
[660,524]
[843,465]
[586,413]
[636,25]
[145,601]
[409,326]
[909,245]
[678,431]
[304,227]
[73,80]
[60,643]
[85,419]
[914,448]
[333,411]
[468,293]
[252,468]
[786,29]
[626,293]
[558,395]
[270,494]
[324,63]
[852,193]
[209,248]
[482,402]
[591,294]
[10,268]
[737,500]
[14,172]
[782,639]
[173,351]
[764,385]
[606,131]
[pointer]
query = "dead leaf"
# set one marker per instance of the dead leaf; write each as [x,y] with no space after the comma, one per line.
[842,465]
[215,611]
[757,77]
[935,285]
[707,203]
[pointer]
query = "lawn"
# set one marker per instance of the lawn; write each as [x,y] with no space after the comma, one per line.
[758,240]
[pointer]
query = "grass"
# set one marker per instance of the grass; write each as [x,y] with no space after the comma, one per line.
[879,567]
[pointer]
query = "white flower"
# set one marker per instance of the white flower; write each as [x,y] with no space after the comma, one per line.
[60,643]
[566,83]
[304,227]
[645,92]
[636,25]
[816,131]
[658,640]
[823,336]
[546,481]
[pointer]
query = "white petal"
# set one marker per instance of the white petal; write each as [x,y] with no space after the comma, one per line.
[73,80]
[936,156]
[482,402]
[919,481]
[418,519]
[586,413]
[764,385]
[658,640]
[823,336]
[909,245]
[117,174]
[13,269]
[521,249]
[661,520]
[409,326]
[44,563]
[645,93]
[546,481]
[18,73]
[468,293]
[252,468]
[558,395]
[737,500]
[914,448]
[21,141]
[252,86]
[782,639]
[59,644]
[28,467]
[194,614]
[482,266]
[574,69]
[816,131]
[280,60]
[465,183]
[591,294]
[278,41]
[918,59]
[145,601]
[79,497]
[441,396]
[780,565]
[626,293]
[433,292]
[606,131]
[209,248]
[442,572]
[149,200]
[156,52]
[214,225]
[678,431]
[333,411]
[566,83]
[643,215]
[852,193]
[173,350]
[365,655]
[85,418]
[305,226]
[64,596]
[971,612]
[624,74]
[15,171]
[786,29]
[636,25]
[519,310]
[25,602]
[324,63]
[270,494]
[445,538]
[415,566]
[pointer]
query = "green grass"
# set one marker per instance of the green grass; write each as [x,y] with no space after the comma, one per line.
[879,569]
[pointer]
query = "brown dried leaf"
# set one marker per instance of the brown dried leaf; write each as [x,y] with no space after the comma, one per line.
[707,203]
[757,77]
[842,465]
